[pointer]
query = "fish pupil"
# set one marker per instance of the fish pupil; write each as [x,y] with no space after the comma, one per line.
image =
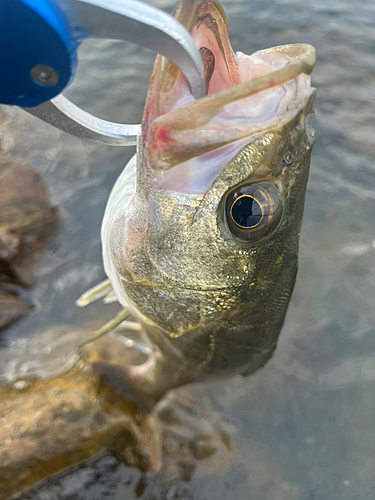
[246,212]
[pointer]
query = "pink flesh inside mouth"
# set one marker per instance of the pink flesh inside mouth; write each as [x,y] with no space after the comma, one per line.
[224,70]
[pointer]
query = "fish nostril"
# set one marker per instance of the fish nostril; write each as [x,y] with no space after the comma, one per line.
[288,158]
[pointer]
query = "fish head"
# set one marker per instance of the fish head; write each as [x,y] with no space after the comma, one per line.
[209,239]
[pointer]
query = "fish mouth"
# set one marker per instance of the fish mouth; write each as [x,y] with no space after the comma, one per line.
[189,141]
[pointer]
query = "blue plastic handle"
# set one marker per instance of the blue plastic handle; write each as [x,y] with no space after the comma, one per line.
[37,51]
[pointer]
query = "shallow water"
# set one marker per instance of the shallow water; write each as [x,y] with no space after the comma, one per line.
[303,427]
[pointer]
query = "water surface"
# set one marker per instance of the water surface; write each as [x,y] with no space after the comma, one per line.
[303,427]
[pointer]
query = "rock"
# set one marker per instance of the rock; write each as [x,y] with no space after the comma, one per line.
[52,424]
[49,425]
[11,307]
[26,223]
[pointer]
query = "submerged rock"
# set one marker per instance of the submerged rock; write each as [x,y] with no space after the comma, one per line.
[26,223]
[51,424]
[48,425]
[11,307]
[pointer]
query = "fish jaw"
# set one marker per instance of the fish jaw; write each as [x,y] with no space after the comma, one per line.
[245,95]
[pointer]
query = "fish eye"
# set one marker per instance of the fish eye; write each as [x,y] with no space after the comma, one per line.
[253,211]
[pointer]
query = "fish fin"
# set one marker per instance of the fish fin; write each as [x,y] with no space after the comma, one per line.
[103,289]
[130,334]
[121,380]
[109,326]
[110,297]
[126,326]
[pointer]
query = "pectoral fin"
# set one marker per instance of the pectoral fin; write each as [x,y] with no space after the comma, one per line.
[97,292]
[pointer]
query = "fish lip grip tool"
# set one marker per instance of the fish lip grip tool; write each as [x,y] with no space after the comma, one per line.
[39,40]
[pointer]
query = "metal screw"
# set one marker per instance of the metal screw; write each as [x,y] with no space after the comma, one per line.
[44,75]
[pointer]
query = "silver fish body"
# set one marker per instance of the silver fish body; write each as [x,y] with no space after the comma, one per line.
[201,232]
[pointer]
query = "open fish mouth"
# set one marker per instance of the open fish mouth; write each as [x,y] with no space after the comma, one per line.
[244,97]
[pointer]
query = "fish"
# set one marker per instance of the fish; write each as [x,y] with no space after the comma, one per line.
[201,231]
